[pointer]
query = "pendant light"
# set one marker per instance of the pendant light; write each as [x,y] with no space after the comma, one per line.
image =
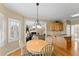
[37,24]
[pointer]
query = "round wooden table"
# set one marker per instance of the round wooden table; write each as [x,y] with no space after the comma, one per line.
[35,45]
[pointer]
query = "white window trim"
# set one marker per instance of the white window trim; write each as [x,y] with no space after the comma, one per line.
[8,29]
[2,43]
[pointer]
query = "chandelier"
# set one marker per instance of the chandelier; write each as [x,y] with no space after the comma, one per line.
[37,24]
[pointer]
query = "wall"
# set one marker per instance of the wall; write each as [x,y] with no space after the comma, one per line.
[13,45]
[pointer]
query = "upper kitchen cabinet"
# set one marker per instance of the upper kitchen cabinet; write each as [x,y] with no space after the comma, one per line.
[56,25]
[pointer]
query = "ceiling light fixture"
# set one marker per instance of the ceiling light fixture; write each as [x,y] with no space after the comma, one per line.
[37,24]
[75,15]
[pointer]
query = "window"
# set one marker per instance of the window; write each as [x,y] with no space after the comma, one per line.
[1,30]
[68,29]
[13,29]
[74,31]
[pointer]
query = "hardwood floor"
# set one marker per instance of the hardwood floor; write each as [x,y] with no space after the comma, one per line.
[16,53]
[56,52]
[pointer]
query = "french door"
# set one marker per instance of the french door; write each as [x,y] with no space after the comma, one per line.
[75,36]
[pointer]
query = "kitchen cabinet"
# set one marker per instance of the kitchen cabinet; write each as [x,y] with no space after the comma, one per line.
[68,42]
[55,26]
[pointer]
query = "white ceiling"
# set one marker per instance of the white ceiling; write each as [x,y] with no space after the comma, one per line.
[48,11]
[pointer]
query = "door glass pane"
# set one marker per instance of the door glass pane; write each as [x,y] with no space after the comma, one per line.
[75,37]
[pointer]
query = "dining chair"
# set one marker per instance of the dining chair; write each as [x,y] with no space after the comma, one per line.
[49,39]
[47,50]
[22,48]
[24,51]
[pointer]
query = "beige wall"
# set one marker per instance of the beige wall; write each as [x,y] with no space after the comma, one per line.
[13,45]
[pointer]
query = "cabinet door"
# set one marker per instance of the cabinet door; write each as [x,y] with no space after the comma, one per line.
[55,26]
[68,42]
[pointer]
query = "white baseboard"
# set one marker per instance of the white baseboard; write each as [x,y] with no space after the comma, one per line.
[11,51]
